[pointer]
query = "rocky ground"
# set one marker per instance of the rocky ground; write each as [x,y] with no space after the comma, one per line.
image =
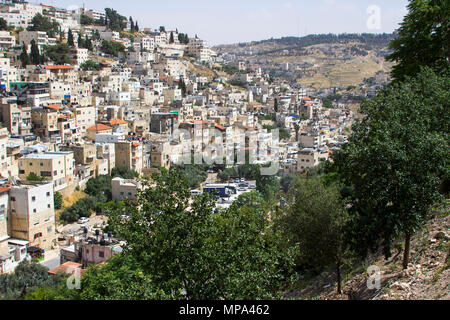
[427,277]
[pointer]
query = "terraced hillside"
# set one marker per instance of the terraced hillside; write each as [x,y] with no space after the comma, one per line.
[319,61]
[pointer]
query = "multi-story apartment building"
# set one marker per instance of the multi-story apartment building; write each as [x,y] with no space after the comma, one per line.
[60,90]
[57,167]
[40,37]
[17,119]
[4,204]
[32,214]
[63,73]
[107,151]
[144,43]
[85,117]
[19,14]
[7,40]
[96,15]
[45,122]
[307,158]
[130,155]
[124,189]
[4,159]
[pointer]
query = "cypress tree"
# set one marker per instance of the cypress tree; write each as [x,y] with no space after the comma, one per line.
[35,54]
[24,57]
[70,40]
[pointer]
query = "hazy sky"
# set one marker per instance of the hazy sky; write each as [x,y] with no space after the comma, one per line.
[232,21]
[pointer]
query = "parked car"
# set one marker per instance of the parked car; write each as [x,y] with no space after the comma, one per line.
[196,192]
[242,189]
[83,220]
[242,179]
[252,186]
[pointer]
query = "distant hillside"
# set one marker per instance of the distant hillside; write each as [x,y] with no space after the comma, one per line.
[320,61]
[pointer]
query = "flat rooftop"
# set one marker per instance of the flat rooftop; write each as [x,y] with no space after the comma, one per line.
[46,155]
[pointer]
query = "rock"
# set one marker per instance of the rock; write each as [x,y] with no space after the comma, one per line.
[400,286]
[442,236]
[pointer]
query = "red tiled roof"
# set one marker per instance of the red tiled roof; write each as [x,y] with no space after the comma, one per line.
[220,127]
[114,122]
[99,127]
[54,107]
[135,144]
[2,190]
[68,267]
[58,67]
[306,98]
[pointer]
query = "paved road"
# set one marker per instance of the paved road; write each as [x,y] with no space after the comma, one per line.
[51,259]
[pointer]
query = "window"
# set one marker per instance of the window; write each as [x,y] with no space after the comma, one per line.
[49,229]
[49,206]
[37,235]
[34,210]
[55,173]
[101,254]
[33,198]
[13,199]
[48,194]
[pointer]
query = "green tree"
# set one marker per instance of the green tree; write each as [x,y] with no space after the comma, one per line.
[396,160]
[178,244]
[24,57]
[182,86]
[423,39]
[275,105]
[88,44]
[58,200]
[36,57]
[59,54]
[171,40]
[297,130]
[124,172]
[28,277]
[316,219]
[70,39]
[90,66]
[3,24]
[33,177]
[81,42]
[86,20]
[132,28]
[115,21]
[327,103]
[42,23]
[100,188]
[112,48]
[82,208]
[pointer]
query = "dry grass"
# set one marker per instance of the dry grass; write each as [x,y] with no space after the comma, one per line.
[74,197]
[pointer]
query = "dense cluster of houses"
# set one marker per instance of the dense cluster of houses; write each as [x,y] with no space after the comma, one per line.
[148,108]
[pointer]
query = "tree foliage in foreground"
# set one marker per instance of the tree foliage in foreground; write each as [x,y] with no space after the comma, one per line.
[396,160]
[181,249]
[423,39]
[315,218]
